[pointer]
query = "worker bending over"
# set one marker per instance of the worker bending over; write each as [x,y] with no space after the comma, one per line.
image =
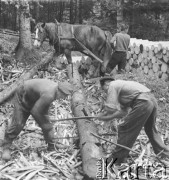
[124,95]
[34,97]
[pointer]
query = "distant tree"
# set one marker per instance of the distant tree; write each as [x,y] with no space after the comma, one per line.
[80,11]
[71,15]
[75,12]
[0,13]
[61,10]
[120,4]
[37,10]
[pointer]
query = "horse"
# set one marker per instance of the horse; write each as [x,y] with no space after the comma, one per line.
[87,39]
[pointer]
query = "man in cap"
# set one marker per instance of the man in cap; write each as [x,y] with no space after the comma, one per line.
[134,102]
[34,97]
[120,43]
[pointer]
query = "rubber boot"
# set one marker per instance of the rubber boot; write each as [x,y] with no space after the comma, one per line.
[51,147]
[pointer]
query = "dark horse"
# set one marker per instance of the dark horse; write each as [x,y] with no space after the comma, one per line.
[89,40]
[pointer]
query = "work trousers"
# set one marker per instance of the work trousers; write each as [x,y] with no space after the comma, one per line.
[143,114]
[20,116]
[117,58]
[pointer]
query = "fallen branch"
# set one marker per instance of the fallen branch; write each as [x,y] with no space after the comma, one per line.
[9,92]
[55,165]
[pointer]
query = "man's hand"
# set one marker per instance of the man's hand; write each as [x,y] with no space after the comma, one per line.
[105,116]
[110,116]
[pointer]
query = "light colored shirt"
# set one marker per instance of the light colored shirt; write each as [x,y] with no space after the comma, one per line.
[121,93]
[121,41]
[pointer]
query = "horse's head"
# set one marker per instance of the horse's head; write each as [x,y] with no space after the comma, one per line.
[40,34]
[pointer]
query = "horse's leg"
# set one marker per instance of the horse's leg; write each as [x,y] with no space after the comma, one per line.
[98,67]
[67,53]
[106,58]
[56,47]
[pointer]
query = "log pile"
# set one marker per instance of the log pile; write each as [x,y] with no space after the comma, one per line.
[151,58]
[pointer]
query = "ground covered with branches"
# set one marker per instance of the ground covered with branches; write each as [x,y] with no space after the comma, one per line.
[30,158]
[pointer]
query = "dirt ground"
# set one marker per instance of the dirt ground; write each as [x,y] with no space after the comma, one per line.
[31,160]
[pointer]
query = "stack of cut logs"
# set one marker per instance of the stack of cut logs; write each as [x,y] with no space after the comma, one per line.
[151,58]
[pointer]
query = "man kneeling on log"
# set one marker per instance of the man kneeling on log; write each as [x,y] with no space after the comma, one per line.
[124,95]
[34,97]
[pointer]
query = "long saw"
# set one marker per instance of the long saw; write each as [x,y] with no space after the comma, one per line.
[76,118]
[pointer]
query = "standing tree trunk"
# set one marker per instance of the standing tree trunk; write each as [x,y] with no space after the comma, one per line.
[75,14]
[37,10]
[80,11]
[61,8]
[119,12]
[71,12]
[166,34]
[48,5]
[0,13]
[24,50]
[91,150]
[17,17]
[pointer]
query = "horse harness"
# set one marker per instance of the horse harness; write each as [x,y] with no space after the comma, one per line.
[60,34]
[60,37]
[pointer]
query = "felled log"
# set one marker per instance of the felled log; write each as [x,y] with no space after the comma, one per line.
[164,67]
[28,74]
[90,147]
[146,69]
[156,67]
[2,131]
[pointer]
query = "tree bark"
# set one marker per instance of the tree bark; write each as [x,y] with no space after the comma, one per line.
[24,49]
[71,12]
[76,10]
[0,13]
[9,92]
[61,10]
[90,147]
[80,11]
[17,17]
[2,131]
[37,10]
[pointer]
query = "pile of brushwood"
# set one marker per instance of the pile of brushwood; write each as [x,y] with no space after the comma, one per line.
[30,158]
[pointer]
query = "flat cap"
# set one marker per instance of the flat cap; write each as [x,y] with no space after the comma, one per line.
[106,78]
[65,87]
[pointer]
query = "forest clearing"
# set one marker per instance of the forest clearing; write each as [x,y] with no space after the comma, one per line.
[29,158]
[77,85]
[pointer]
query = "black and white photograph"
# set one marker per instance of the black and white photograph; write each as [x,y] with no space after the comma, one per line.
[84,89]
